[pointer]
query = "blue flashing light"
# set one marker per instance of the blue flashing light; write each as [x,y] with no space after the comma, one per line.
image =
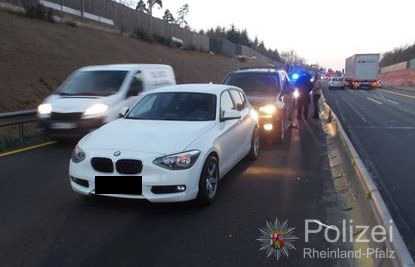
[295,76]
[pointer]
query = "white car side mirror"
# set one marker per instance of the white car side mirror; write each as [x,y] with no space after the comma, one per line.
[230,115]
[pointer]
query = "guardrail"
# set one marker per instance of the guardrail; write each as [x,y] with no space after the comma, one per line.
[377,203]
[19,119]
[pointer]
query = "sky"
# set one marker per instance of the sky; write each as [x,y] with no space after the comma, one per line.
[322,31]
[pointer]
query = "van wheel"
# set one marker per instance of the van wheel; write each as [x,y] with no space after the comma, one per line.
[209,181]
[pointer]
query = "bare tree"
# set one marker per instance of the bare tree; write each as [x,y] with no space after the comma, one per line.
[141,6]
[181,16]
[152,3]
[292,57]
[168,17]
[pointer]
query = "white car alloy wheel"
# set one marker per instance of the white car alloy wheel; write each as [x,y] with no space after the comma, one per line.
[255,145]
[209,180]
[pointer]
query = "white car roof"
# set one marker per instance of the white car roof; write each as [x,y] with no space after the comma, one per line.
[126,67]
[216,89]
[264,70]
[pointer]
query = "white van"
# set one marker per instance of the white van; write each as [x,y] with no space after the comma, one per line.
[95,95]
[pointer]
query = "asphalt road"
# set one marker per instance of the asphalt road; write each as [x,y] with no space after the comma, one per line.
[381,124]
[44,224]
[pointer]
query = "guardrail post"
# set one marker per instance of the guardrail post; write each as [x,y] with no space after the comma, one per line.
[21,132]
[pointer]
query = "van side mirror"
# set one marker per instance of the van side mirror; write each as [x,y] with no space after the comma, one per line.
[230,115]
[123,112]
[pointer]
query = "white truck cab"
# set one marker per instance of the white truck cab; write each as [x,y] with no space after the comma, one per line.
[95,95]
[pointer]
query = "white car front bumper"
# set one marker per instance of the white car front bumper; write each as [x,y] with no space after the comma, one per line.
[82,178]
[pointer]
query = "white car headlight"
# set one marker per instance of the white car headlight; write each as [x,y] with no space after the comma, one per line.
[78,155]
[96,110]
[268,109]
[44,109]
[179,161]
[254,114]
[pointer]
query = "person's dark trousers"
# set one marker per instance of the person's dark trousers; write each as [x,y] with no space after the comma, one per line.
[316,98]
[303,106]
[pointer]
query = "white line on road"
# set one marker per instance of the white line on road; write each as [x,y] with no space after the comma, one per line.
[356,111]
[394,93]
[385,128]
[374,100]
[391,101]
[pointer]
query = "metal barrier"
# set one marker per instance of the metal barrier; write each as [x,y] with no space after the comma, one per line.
[19,119]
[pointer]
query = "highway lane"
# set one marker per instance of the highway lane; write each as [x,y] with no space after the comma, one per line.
[381,125]
[44,224]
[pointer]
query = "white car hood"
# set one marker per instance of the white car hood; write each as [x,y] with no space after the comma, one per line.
[160,137]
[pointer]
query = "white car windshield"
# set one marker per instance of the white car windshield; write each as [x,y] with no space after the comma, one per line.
[93,83]
[178,106]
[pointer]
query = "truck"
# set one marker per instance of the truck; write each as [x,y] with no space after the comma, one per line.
[362,71]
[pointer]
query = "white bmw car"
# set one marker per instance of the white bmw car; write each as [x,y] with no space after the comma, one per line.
[174,145]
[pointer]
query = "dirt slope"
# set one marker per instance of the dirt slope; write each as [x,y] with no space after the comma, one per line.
[35,56]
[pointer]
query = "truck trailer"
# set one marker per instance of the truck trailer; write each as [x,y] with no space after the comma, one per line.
[362,71]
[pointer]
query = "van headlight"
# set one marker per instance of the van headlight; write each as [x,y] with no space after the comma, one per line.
[78,155]
[44,109]
[179,161]
[96,110]
[268,109]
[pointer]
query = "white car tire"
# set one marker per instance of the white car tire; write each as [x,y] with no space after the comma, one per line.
[255,145]
[209,181]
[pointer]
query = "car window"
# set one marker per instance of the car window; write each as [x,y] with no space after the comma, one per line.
[226,103]
[238,100]
[175,106]
[256,83]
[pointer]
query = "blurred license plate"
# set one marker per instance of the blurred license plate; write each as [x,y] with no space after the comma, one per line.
[63,125]
[127,185]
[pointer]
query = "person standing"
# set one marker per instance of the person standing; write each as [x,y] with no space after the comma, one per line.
[317,88]
[305,86]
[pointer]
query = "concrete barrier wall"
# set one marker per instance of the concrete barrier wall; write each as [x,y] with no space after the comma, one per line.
[130,20]
[249,52]
[223,46]
[397,78]
[395,67]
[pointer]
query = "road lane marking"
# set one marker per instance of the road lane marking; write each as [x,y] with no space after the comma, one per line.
[385,127]
[25,149]
[355,110]
[393,102]
[374,100]
[399,94]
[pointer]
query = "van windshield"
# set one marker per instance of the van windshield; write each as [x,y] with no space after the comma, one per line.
[93,83]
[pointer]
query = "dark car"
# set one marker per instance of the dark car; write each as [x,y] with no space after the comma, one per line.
[268,91]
